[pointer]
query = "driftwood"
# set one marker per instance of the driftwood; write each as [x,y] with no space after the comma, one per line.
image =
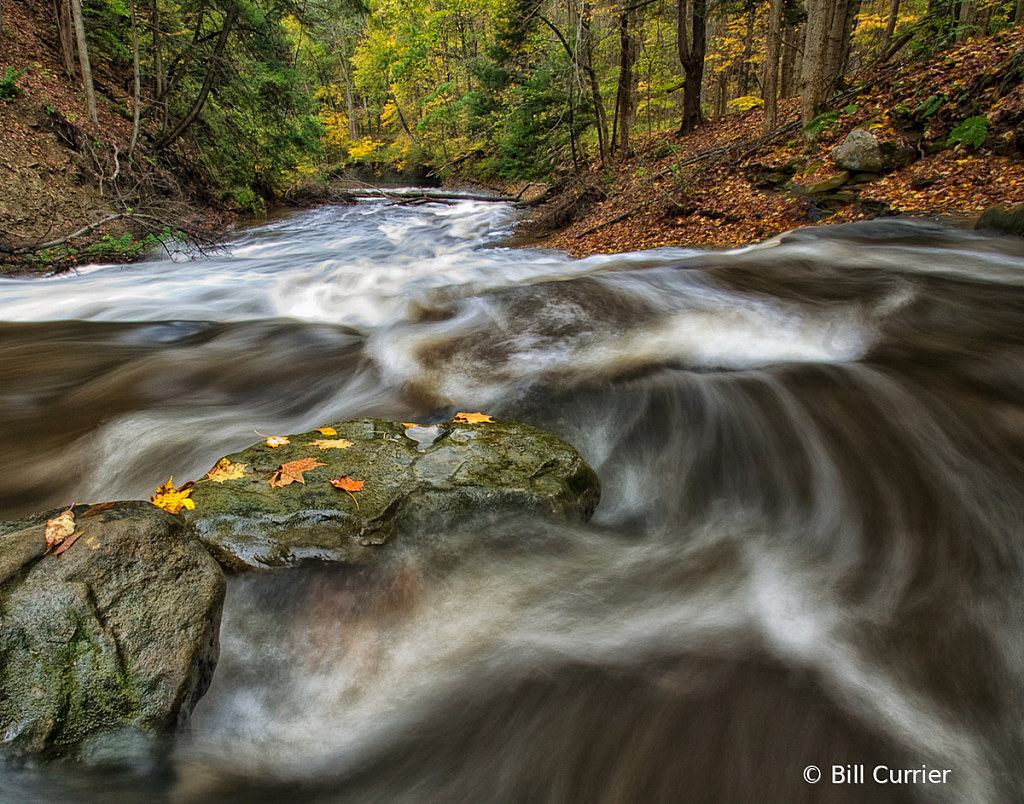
[425,195]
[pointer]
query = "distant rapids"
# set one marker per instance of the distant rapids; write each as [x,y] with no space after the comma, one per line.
[809,551]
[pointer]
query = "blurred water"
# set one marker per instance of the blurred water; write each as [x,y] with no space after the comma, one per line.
[808,549]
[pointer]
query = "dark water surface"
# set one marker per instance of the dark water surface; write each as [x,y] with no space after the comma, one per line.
[809,551]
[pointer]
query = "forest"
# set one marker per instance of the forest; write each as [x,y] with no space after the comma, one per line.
[267,94]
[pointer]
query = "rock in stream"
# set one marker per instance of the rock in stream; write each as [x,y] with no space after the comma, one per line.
[416,478]
[112,642]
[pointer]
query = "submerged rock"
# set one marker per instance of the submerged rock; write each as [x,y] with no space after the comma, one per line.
[110,643]
[413,478]
[999,219]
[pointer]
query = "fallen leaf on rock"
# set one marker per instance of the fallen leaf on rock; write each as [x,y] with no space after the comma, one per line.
[337,443]
[472,418]
[410,424]
[68,542]
[225,470]
[291,472]
[172,500]
[327,430]
[347,484]
[274,441]
[97,508]
[59,528]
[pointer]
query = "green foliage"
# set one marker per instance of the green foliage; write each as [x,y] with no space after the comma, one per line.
[107,22]
[929,107]
[9,83]
[971,132]
[821,123]
[125,247]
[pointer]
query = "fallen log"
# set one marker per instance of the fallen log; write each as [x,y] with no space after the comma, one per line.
[416,194]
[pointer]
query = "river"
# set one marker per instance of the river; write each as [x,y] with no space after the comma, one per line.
[809,549]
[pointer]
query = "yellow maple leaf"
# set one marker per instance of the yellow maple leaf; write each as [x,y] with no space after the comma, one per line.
[327,430]
[411,424]
[472,418]
[225,470]
[337,443]
[274,441]
[172,500]
[291,472]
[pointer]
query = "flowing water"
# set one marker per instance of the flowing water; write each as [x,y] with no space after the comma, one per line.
[809,550]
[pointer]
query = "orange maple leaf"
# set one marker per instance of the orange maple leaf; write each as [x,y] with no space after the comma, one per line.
[291,472]
[337,443]
[411,424]
[472,418]
[327,430]
[59,528]
[348,485]
[170,500]
[225,470]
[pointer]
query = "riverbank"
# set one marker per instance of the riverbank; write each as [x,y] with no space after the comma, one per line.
[951,129]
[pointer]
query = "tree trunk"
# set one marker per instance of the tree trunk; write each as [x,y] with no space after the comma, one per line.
[197,107]
[812,85]
[595,87]
[968,15]
[890,25]
[788,72]
[137,75]
[629,49]
[160,75]
[838,47]
[692,46]
[65,37]
[83,61]
[770,77]
[743,71]
[349,105]
[1018,17]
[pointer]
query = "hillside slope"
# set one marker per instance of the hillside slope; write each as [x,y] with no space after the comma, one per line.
[725,185]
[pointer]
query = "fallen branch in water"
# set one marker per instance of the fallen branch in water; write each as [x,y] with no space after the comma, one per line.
[428,195]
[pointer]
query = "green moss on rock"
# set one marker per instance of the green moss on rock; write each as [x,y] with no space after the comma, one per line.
[119,633]
[456,472]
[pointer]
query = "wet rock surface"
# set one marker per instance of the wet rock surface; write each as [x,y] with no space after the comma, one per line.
[415,478]
[109,644]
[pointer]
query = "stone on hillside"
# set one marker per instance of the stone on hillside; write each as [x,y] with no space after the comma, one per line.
[110,643]
[896,156]
[825,185]
[1000,219]
[455,471]
[859,152]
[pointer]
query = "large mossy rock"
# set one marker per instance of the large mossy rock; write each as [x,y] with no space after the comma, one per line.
[860,152]
[456,471]
[999,219]
[110,643]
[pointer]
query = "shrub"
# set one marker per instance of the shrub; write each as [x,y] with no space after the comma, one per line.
[9,83]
